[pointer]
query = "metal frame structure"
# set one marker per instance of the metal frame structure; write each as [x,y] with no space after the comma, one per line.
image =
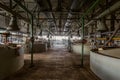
[82,18]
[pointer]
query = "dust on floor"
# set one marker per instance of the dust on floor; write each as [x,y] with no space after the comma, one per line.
[55,65]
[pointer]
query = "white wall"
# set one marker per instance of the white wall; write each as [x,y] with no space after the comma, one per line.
[10,62]
[105,67]
[77,48]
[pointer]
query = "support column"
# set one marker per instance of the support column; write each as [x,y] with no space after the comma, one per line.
[69,44]
[82,37]
[32,41]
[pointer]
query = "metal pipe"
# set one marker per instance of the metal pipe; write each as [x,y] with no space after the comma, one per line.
[113,34]
[91,7]
[49,31]
[82,37]
[32,40]
[32,24]
[106,12]
[22,6]
[74,5]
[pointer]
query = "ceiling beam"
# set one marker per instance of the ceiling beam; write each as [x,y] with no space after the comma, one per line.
[50,5]
[74,19]
[108,11]
[6,8]
[50,31]
[22,6]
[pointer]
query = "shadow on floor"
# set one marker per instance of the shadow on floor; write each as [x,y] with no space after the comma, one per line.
[54,65]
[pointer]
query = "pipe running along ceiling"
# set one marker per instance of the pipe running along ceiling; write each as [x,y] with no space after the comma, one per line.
[58,17]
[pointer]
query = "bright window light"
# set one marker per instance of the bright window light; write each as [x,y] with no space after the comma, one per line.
[60,37]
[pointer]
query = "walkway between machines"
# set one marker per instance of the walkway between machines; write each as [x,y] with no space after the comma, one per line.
[55,64]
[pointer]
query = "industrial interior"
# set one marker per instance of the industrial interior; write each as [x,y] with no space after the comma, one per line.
[59,39]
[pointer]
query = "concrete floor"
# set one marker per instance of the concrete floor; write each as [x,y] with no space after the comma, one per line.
[56,64]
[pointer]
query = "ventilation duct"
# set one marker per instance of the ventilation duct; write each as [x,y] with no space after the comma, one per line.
[45,5]
[13,24]
[76,5]
[113,8]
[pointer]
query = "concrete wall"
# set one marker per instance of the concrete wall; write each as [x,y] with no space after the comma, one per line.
[77,48]
[10,61]
[105,67]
